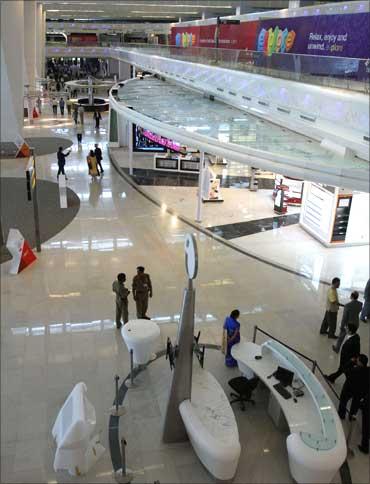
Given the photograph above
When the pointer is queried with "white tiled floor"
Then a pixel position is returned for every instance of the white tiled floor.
(57, 322)
(290, 247)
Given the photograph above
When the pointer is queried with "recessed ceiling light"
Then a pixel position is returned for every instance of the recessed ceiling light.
(173, 13)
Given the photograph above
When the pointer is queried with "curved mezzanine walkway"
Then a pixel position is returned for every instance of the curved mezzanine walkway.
(57, 327)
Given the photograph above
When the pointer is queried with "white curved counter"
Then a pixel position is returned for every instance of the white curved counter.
(140, 336)
(211, 426)
(316, 445)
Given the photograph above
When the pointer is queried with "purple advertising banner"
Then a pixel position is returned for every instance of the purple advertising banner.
(327, 35)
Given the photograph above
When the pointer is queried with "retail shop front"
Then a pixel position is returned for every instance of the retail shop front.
(186, 150)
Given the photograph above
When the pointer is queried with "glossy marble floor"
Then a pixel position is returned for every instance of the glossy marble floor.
(57, 323)
(289, 246)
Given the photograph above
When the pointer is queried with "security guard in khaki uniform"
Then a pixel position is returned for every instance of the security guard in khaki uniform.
(142, 290)
(122, 293)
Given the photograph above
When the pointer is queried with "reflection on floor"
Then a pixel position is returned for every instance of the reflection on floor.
(241, 229)
(289, 246)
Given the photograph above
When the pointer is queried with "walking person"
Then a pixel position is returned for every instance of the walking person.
(350, 349)
(232, 335)
(122, 293)
(99, 157)
(97, 117)
(329, 323)
(75, 116)
(69, 106)
(351, 313)
(355, 387)
(61, 106)
(92, 164)
(54, 104)
(61, 161)
(81, 114)
(142, 290)
(79, 132)
(365, 313)
(39, 104)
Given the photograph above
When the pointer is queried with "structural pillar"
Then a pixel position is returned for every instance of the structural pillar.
(43, 44)
(12, 61)
(30, 44)
(294, 4)
(40, 40)
(130, 148)
(200, 189)
(124, 71)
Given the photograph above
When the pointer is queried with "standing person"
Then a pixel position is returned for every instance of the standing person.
(61, 161)
(39, 104)
(92, 164)
(81, 113)
(54, 104)
(331, 313)
(365, 313)
(61, 106)
(232, 333)
(79, 132)
(57, 85)
(99, 157)
(351, 313)
(350, 349)
(365, 410)
(69, 105)
(97, 117)
(118, 287)
(75, 115)
(355, 387)
(142, 290)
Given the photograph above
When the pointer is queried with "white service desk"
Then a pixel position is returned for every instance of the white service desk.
(316, 444)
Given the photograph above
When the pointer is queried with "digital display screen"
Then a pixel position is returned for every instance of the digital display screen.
(145, 140)
(143, 143)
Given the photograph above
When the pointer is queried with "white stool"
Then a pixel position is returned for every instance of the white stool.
(140, 336)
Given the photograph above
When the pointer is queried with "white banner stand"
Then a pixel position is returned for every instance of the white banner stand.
(76, 450)
(62, 191)
(20, 250)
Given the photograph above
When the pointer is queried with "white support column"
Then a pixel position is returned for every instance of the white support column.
(124, 71)
(130, 148)
(12, 74)
(200, 189)
(30, 42)
(39, 33)
(43, 44)
(133, 71)
(294, 4)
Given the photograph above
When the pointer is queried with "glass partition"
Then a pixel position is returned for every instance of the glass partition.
(325, 408)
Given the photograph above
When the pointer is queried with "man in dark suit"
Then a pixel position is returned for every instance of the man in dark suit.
(355, 387)
(351, 313)
(350, 349)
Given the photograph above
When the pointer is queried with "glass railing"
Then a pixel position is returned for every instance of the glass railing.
(332, 71)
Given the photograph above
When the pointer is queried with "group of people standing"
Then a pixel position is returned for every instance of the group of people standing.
(141, 290)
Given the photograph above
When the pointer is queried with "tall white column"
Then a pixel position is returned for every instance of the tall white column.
(294, 4)
(124, 69)
(198, 217)
(130, 148)
(30, 42)
(12, 80)
(43, 44)
(39, 33)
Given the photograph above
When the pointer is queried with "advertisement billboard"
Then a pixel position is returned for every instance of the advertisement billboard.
(327, 35)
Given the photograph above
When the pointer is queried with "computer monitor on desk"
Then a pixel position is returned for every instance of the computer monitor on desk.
(284, 376)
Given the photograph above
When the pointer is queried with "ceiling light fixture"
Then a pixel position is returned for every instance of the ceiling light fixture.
(171, 6)
(173, 13)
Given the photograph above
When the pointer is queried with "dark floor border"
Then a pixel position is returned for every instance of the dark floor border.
(210, 234)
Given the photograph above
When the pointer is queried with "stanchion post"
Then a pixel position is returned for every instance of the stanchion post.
(255, 333)
(130, 383)
(35, 204)
(123, 475)
(117, 410)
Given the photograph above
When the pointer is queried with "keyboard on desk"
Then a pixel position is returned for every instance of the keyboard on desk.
(283, 391)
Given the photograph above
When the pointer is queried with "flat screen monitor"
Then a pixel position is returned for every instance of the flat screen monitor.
(284, 376)
(143, 143)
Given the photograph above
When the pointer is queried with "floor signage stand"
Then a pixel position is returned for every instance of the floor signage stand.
(20, 250)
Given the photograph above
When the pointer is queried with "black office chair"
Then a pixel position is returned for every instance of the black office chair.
(244, 389)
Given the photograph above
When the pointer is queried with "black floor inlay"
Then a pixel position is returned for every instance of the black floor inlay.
(240, 229)
(149, 177)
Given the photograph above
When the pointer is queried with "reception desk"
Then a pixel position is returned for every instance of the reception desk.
(316, 444)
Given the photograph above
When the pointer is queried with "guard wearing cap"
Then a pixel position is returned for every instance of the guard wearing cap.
(142, 291)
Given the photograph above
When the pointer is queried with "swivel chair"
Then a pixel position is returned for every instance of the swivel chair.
(244, 389)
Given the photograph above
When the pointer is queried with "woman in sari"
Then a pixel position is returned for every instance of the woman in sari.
(232, 333)
(92, 164)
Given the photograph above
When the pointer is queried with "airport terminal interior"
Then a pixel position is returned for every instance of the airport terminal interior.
(185, 288)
